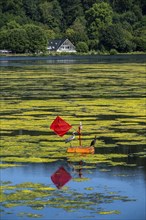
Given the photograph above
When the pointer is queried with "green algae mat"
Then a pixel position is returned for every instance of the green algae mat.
(107, 98)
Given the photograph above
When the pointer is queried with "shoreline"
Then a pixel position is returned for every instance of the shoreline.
(68, 54)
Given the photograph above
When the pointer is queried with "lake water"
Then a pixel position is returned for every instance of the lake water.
(39, 179)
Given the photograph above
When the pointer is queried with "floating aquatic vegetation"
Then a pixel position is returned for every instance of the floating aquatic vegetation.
(30, 215)
(89, 188)
(108, 99)
(104, 170)
(39, 196)
(109, 212)
(80, 179)
(28, 160)
(6, 165)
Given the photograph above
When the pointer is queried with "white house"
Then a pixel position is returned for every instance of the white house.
(61, 45)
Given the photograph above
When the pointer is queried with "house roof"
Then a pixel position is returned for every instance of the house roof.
(55, 44)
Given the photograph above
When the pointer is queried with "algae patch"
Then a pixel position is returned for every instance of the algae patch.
(109, 212)
(7, 165)
(39, 196)
(31, 98)
(30, 215)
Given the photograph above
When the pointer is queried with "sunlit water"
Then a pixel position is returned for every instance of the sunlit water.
(107, 95)
(119, 189)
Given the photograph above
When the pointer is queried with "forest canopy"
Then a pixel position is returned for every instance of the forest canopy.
(91, 25)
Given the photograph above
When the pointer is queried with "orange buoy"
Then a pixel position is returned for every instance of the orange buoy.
(84, 150)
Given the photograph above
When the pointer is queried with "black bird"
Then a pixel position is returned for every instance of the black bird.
(93, 142)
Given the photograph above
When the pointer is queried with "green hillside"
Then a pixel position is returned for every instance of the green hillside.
(91, 25)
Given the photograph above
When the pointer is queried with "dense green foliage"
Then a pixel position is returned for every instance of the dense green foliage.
(101, 24)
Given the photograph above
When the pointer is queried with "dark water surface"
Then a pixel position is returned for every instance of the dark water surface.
(14, 61)
(106, 93)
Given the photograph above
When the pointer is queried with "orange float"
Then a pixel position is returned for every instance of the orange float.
(83, 150)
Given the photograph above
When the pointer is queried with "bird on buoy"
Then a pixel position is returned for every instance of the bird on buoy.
(93, 142)
(70, 138)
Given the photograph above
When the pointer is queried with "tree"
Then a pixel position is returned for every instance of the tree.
(17, 40)
(14, 39)
(11, 6)
(11, 25)
(140, 39)
(98, 17)
(50, 34)
(87, 4)
(36, 37)
(31, 9)
(51, 14)
(129, 16)
(115, 37)
(82, 47)
(94, 44)
(77, 32)
(72, 9)
(11, 10)
(138, 12)
(3, 39)
(122, 5)
(143, 6)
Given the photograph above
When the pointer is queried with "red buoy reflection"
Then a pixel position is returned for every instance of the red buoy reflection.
(60, 177)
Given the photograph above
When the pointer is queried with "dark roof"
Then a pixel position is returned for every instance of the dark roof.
(55, 44)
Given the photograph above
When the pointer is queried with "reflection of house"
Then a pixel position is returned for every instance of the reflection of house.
(62, 45)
